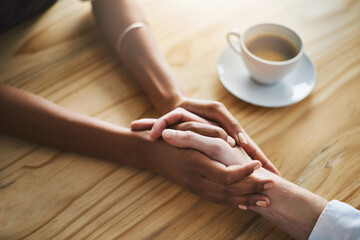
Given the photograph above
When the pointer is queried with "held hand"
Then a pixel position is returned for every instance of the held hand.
(180, 119)
(216, 149)
(218, 113)
(205, 109)
(208, 178)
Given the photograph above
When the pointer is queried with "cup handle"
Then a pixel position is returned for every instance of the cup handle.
(235, 47)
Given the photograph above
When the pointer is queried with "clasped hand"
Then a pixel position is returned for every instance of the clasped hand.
(207, 160)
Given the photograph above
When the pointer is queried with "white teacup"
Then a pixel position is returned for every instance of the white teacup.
(262, 70)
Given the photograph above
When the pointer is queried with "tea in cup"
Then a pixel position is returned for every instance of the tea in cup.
(269, 51)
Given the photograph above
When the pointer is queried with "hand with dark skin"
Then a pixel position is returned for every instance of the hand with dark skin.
(27, 116)
(33, 118)
(181, 119)
(292, 208)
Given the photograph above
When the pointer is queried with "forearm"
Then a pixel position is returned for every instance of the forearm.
(292, 208)
(138, 51)
(33, 118)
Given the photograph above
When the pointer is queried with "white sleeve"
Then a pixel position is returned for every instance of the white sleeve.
(338, 221)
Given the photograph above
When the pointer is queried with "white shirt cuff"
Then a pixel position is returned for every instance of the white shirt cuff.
(337, 221)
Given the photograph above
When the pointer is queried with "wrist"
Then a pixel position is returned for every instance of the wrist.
(294, 209)
(141, 148)
(171, 101)
(130, 148)
(151, 154)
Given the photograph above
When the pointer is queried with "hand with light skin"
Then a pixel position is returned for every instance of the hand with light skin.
(292, 208)
(181, 119)
(141, 55)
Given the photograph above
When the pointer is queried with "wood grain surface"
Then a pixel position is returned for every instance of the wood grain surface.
(59, 55)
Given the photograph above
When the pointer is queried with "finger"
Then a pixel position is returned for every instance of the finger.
(255, 152)
(216, 111)
(249, 186)
(143, 124)
(246, 201)
(206, 130)
(215, 148)
(242, 202)
(219, 173)
(171, 118)
(240, 188)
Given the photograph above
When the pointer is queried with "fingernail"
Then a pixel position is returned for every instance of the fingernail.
(168, 134)
(242, 138)
(231, 141)
(261, 203)
(242, 207)
(257, 166)
(269, 185)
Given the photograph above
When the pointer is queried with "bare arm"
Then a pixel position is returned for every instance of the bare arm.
(138, 51)
(292, 208)
(31, 117)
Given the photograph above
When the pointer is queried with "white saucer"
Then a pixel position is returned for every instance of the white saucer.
(293, 88)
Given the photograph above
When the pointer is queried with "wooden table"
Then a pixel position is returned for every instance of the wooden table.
(59, 55)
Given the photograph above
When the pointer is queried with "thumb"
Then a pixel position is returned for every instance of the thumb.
(176, 138)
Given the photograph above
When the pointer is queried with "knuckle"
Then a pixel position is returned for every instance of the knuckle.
(219, 104)
(189, 135)
(258, 187)
(225, 178)
(218, 132)
(216, 106)
(216, 150)
(222, 132)
(215, 132)
(235, 123)
(247, 171)
(254, 187)
(252, 154)
(185, 125)
(231, 191)
(218, 147)
(224, 145)
(265, 163)
(179, 110)
(191, 125)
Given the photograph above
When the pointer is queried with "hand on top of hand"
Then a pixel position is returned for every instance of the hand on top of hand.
(238, 192)
(196, 116)
(208, 178)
